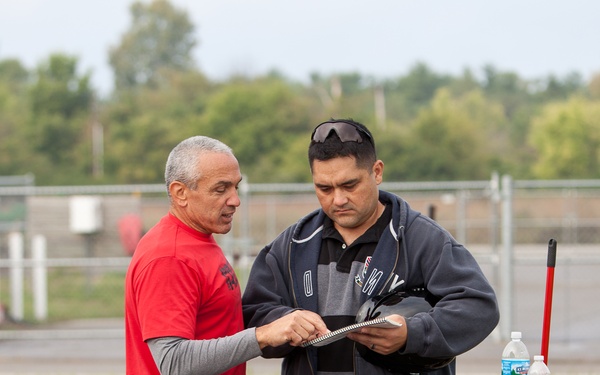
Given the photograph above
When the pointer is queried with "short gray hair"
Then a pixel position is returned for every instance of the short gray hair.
(182, 163)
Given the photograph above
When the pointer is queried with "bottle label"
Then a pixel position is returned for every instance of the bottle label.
(514, 366)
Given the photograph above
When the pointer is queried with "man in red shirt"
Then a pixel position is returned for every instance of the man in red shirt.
(183, 312)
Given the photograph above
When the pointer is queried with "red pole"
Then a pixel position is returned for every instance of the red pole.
(548, 301)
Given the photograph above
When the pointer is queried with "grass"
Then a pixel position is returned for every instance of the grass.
(79, 293)
(75, 293)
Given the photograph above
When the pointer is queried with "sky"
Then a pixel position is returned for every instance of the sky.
(379, 38)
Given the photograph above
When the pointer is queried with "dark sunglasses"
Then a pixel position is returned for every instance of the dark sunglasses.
(346, 131)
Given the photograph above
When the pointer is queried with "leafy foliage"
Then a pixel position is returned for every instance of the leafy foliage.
(260, 120)
(160, 37)
(48, 120)
(567, 138)
(427, 125)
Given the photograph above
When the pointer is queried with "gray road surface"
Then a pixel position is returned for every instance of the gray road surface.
(574, 339)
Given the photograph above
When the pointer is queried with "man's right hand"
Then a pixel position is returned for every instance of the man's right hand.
(294, 329)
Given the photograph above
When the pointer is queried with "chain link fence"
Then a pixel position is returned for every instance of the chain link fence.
(84, 272)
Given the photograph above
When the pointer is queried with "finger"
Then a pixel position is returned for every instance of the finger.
(314, 320)
(302, 333)
(296, 339)
(319, 324)
(306, 328)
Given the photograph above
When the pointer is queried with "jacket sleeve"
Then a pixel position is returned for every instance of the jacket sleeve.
(267, 296)
(467, 309)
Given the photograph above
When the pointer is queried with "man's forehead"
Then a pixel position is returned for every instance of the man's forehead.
(341, 164)
(337, 172)
(220, 168)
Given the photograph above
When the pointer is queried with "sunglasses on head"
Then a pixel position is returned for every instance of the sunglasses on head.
(345, 131)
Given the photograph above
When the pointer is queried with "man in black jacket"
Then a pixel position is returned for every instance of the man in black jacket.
(365, 242)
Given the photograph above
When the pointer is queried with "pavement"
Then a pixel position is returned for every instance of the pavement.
(78, 348)
(97, 346)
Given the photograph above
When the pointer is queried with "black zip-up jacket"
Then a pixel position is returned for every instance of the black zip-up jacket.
(415, 252)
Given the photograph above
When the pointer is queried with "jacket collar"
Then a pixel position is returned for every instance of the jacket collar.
(306, 245)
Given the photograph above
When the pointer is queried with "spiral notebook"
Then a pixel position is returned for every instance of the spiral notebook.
(342, 332)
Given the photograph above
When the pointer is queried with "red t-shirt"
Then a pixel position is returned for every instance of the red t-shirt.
(179, 283)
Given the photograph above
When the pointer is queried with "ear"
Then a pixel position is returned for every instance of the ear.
(178, 193)
(378, 171)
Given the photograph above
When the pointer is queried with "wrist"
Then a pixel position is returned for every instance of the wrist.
(260, 337)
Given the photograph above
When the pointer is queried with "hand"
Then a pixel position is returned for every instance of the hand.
(382, 340)
(294, 328)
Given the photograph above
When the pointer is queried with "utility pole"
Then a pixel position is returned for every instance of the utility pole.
(97, 143)
(380, 113)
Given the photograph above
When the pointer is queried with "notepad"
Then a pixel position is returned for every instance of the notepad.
(342, 332)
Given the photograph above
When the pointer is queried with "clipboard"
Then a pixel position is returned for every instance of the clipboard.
(339, 334)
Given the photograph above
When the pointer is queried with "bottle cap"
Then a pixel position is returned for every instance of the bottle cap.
(515, 335)
(538, 358)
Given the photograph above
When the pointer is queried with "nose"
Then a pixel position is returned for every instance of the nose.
(234, 200)
(339, 198)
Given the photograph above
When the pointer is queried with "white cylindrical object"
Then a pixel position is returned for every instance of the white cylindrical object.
(515, 356)
(85, 214)
(40, 280)
(15, 251)
(505, 300)
(538, 367)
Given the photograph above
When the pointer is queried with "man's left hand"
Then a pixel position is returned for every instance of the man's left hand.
(382, 340)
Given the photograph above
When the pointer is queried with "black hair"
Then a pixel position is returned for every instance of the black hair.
(363, 152)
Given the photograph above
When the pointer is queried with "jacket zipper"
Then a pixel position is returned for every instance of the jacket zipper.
(395, 262)
(289, 264)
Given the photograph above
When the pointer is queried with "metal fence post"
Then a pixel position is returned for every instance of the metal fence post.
(506, 259)
(461, 220)
(494, 223)
(15, 248)
(39, 278)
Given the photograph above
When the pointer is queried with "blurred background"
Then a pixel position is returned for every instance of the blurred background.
(486, 115)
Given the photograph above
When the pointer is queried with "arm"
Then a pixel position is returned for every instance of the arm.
(464, 315)
(176, 355)
(267, 296)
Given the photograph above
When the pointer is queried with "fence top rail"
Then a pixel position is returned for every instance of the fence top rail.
(66, 262)
(252, 188)
(29, 190)
(554, 184)
(82, 190)
(21, 180)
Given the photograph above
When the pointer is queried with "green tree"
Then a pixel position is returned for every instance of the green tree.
(143, 126)
(161, 38)
(13, 73)
(555, 88)
(448, 141)
(464, 84)
(566, 137)
(13, 115)
(517, 97)
(594, 87)
(409, 93)
(60, 104)
(420, 84)
(261, 120)
(342, 93)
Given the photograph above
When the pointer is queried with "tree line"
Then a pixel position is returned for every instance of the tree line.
(428, 125)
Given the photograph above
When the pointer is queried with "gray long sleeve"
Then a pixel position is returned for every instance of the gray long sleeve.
(176, 355)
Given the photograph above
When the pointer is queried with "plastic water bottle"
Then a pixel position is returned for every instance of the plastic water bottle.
(515, 357)
(538, 367)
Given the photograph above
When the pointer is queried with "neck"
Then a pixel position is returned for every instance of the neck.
(351, 234)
